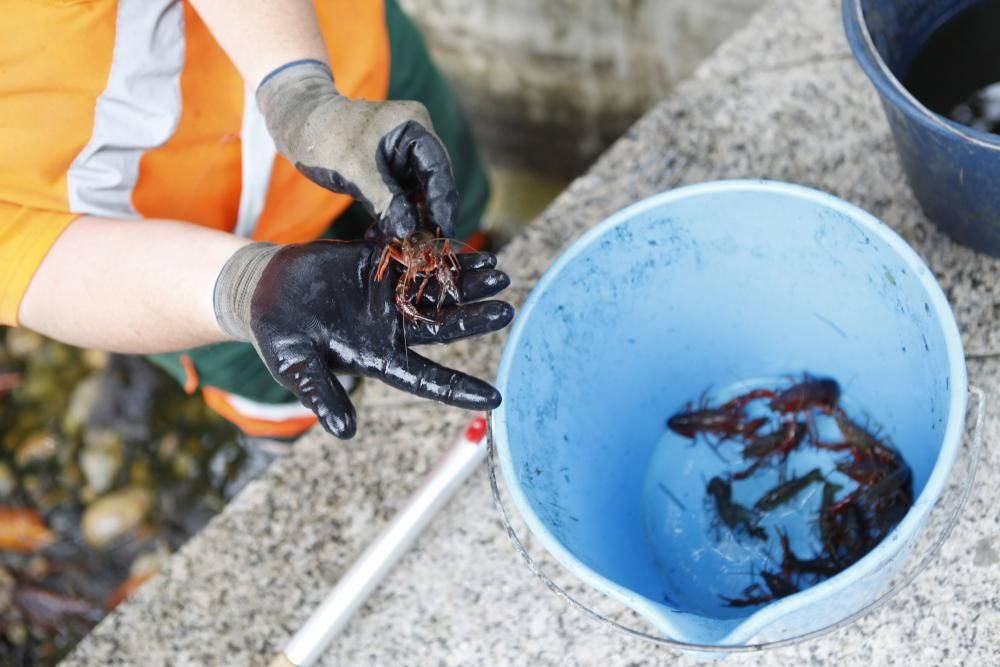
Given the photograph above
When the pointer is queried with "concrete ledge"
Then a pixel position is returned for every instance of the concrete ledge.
(781, 100)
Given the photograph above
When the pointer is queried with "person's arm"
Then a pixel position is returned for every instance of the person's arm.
(146, 286)
(311, 310)
(260, 36)
(137, 286)
(380, 153)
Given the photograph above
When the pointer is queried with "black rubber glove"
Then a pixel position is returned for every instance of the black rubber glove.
(380, 153)
(316, 309)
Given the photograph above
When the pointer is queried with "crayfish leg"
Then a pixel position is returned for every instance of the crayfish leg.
(749, 471)
(423, 286)
(790, 440)
(834, 446)
(448, 252)
(383, 263)
(751, 427)
(446, 285)
(411, 314)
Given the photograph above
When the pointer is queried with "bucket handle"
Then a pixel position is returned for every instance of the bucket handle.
(906, 578)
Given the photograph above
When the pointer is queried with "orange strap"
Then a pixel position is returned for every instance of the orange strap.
(190, 374)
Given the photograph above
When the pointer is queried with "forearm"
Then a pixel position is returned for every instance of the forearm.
(129, 286)
(261, 35)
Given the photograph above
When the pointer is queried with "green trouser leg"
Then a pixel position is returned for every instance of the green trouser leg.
(235, 367)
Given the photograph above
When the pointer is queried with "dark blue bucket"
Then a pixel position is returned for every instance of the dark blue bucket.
(954, 170)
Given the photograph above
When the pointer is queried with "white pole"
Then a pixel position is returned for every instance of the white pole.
(378, 559)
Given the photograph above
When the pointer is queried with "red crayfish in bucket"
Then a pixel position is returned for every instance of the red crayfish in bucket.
(849, 524)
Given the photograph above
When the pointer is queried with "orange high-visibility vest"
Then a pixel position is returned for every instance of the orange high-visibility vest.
(130, 109)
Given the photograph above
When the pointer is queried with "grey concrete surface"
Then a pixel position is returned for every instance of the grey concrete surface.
(549, 85)
(783, 100)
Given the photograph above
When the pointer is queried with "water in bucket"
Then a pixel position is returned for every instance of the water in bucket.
(957, 70)
(728, 559)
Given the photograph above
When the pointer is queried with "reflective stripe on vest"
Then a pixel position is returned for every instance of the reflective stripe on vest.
(275, 412)
(257, 155)
(138, 110)
(258, 419)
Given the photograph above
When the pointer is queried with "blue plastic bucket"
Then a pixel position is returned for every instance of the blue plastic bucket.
(952, 169)
(697, 288)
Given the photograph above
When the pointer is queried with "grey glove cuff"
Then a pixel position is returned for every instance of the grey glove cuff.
(287, 98)
(235, 286)
(371, 151)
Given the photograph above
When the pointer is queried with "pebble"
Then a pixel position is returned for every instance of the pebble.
(22, 342)
(70, 476)
(17, 633)
(139, 473)
(115, 514)
(38, 568)
(101, 458)
(146, 564)
(96, 359)
(7, 481)
(6, 590)
(168, 446)
(37, 447)
(86, 495)
(184, 465)
(32, 485)
(52, 499)
(82, 402)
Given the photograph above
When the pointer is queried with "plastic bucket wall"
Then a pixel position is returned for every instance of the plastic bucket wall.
(700, 287)
(951, 168)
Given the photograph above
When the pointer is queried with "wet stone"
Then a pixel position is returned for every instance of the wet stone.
(101, 458)
(138, 472)
(168, 446)
(7, 481)
(82, 402)
(32, 485)
(82, 432)
(52, 499)
(6, 590)
(36, 447)
(95, 359)
(22, 342)
(17, 633)
(147, 564)
(38, 568)
(115, 514)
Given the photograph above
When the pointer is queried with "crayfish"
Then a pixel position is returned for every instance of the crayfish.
(780, 422)
(733, 515)
(784, 492)
(724, 422)
(778, 585)
(424, 256)
(780, 442)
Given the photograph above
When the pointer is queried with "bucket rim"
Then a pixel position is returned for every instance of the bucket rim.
(897, 541)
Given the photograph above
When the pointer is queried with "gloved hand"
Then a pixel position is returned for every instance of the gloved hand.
(376, 152)
(316, 309)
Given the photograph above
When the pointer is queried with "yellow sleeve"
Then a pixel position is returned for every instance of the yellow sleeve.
(26, 235)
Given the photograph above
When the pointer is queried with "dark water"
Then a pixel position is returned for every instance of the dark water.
(703, 563)
(68, 420)
(957, 72)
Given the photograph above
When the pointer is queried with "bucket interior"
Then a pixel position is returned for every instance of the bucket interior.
(680, 297)
(899, 29)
